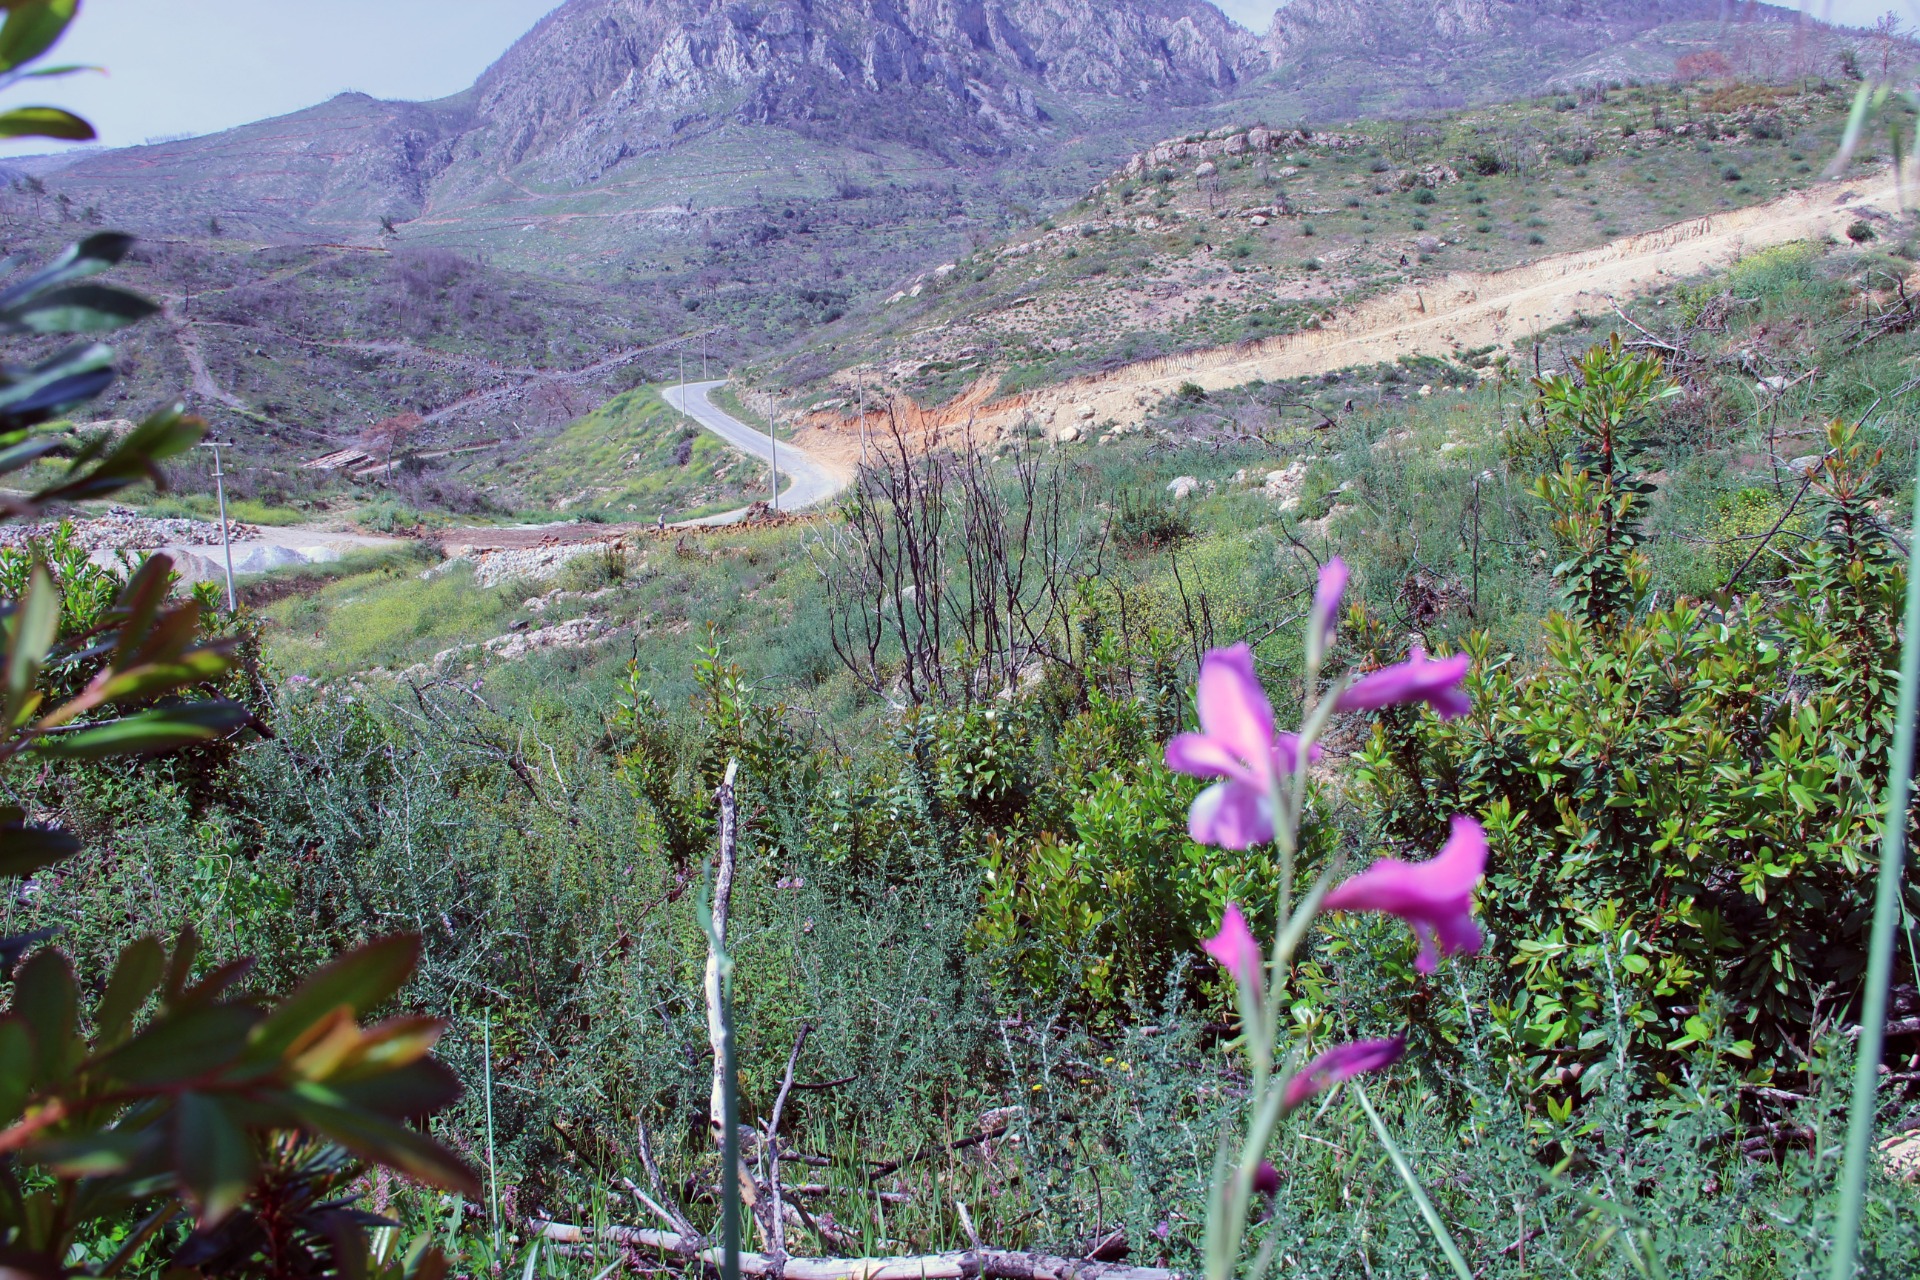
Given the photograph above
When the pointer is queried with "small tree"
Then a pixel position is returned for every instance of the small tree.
(1600, 410)
(386, 436)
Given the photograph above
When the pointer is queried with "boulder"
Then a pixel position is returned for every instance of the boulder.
(1182, 487)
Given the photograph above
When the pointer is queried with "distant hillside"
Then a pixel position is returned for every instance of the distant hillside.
(1351, 59)
(618, 135)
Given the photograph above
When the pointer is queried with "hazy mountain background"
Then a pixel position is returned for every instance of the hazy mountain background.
(643, 169)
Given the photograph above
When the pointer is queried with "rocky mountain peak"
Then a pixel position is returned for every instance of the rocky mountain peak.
(598, 81)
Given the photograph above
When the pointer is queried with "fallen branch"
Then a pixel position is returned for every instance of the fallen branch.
(933, 1149)
(1904, 1027)
(968, 1264)
(776, 1216)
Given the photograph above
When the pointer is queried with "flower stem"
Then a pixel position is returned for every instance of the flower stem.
(1400, 1166)
(1886, 912)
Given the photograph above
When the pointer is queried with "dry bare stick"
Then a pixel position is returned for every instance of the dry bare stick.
(776, 1217)
(933, 1149)
(717, 1104)
(966, 1222)
(660, 1203)
(969, 1264)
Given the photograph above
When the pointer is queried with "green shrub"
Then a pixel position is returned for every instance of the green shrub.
(1690, 797)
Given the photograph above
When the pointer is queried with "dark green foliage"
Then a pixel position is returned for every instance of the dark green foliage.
(1694, 793)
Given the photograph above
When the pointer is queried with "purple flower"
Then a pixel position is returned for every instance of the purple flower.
(1435, 896)
(1326, 602)
(1340, 1064)
(1434, 681)
(1238, 952)
(1236, 742)
(1266, 1179)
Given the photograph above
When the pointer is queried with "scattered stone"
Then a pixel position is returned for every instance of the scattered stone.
(576, 634)
(1206, 169)
(1183, 486)
(122, 530)
(1901, 1155)
(1283, 487)
(493, 567)
(1067, 434)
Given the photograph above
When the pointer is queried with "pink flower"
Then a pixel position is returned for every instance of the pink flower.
(1238, 952)
(1237, 742)
(1326, 601)
(1435, 896)
(1266, 1179)
(1434, 681)
(1340, 1064)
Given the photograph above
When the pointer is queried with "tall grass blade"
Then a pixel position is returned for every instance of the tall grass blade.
(1886, 916)
(1441, 1235)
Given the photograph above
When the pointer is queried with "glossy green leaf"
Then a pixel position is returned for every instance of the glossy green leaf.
(25, 849)
(197, 667)
(33, 28)
(140, 603)
(360, 980)
(164, 729)
(45, 122)
(16, 1068)
(213, 1155)
(134, 458)
(177, 1047)
(26, 454)
(375, 1138)
(94, 1155)
(417, 1089)
(90, 257)
(136, 976)
(180, 964)
(47, 999)
(35, 625)
(77, 308)
(64, 380)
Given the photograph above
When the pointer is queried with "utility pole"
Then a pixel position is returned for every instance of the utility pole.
(226, 536)
(703, 356)
(773, 441)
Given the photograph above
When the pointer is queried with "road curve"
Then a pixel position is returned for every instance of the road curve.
(811, 482)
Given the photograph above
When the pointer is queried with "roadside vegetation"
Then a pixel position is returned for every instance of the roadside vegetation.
(977, 890)
(932, 879)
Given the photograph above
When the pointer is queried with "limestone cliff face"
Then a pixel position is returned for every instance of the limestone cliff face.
(599, 81)
(1402, 25)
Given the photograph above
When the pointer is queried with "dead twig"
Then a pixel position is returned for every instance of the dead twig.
(968, 1264)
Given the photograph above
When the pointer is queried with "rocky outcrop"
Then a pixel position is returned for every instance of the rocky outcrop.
(1233, 140)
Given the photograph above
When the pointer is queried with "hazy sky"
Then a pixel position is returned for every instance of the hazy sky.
(194, 66)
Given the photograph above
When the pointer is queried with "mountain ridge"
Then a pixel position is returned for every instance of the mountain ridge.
(600, 91)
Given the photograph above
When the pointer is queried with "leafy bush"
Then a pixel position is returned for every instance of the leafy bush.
(1689, 797)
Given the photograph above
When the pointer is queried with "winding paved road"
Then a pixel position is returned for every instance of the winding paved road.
(811, 481)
